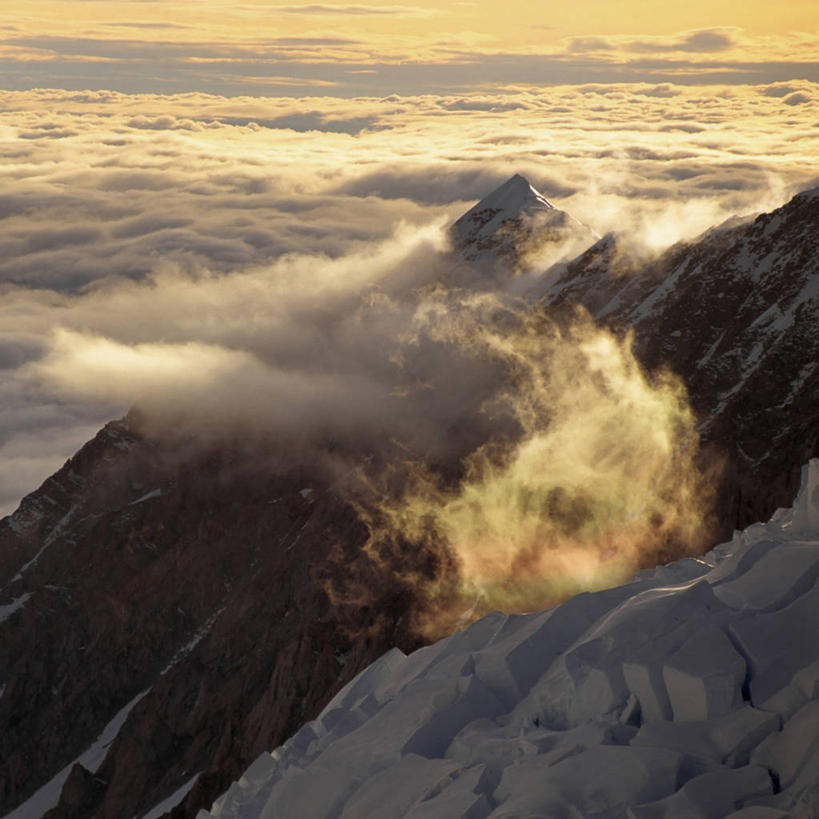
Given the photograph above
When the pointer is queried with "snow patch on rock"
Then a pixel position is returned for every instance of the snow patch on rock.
(9, 609)
(47, 797)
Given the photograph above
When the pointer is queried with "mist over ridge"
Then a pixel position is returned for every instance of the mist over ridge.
(347, 434)
(107, 193)
(528, 451)
(322, 309)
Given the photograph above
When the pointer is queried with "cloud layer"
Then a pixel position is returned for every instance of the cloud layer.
(377, 49)
(146, 239)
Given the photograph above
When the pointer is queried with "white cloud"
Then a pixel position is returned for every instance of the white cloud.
(174, 229)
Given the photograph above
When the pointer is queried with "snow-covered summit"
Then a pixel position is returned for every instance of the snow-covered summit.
(511, 200)
(514, 223)
(692, 691)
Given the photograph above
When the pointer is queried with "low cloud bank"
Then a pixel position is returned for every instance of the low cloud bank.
(152, 231)
(534, 458)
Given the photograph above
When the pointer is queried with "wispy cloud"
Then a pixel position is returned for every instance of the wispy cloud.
(354, 9)
(146, 25)
(316, 41)
(355, 66)
(582, 45)
(703, 41)
(173, 69)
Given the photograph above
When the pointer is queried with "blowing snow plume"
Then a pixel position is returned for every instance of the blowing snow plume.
(587, 474)
(519, 457)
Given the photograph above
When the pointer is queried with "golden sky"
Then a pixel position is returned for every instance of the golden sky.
(348, 48)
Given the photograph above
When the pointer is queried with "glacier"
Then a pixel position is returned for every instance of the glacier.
(692, 691)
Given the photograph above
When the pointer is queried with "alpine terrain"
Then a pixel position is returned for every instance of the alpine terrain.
(168, 605)
(692, 691)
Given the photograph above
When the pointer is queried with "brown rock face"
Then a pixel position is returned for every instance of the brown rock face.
(198, 579)
(80, 795)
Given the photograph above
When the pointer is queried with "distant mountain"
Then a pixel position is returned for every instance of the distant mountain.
(516, 224)
(167, 609)
(692, 691)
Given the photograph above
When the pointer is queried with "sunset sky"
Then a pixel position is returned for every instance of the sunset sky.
(188, 189)
(343, 48)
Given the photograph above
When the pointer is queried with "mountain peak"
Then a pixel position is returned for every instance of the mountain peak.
(522, 187)
(511, 200)
(514, 221)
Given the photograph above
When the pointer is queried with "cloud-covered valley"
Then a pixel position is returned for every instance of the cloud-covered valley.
(266, 253)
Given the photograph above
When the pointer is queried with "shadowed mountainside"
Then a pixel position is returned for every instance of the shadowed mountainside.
(199, 576)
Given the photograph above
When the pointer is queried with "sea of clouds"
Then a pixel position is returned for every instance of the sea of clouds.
(255, 252)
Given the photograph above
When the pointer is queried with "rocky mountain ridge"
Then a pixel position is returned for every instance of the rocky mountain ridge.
(182, 595)
(135, 571)
(736, 314)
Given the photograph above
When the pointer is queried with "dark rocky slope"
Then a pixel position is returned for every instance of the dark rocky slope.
(736, 314)
(200, 578)
(201, 575)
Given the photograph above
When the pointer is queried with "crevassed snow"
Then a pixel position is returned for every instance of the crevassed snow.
(692, 691)
(15, 605)
(173, 800)
(47, 797)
